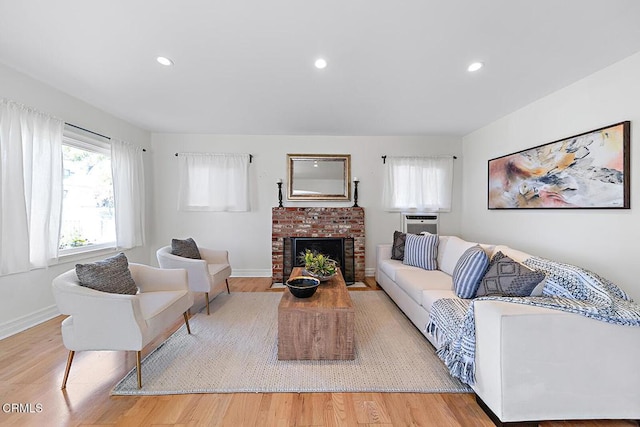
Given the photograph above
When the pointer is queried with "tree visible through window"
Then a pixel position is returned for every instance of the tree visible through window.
(88, 220)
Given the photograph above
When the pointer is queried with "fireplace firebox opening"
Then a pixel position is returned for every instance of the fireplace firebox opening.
(340, 249)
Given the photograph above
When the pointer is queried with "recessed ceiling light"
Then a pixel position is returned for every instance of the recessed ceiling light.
(475, 67)
(320, 63)
(164, 61)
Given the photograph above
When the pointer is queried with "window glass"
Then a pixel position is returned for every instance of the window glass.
(88, 220)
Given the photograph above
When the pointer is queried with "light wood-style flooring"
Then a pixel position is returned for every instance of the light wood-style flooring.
(32, 365)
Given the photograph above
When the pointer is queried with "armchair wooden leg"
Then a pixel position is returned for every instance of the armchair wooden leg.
(67, 369)
(206, 295)
(227, 280)
(139, 369)
(186, 322)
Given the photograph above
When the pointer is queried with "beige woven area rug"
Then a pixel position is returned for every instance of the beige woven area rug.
(235, 350)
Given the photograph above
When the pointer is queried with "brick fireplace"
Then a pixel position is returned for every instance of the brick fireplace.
(316, 222)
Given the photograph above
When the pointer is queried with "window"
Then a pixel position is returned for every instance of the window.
(418, 184)
(214, 182)
(88, 219)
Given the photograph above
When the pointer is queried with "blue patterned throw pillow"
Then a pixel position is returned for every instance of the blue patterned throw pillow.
(508, 278)
(570, 281)
(421, 251)
(469, 270)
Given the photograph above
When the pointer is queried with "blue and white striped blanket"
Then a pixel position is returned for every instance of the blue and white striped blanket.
(567, 288)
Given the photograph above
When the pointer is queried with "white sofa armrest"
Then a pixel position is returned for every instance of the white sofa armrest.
(198, 274)
(214, 256)
(536, 363)
(383, 252)
(98, 318)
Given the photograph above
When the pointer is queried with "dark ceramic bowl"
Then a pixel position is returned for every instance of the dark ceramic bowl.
(302, 286)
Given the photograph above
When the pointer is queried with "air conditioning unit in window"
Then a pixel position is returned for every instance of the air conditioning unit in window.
(415, 223)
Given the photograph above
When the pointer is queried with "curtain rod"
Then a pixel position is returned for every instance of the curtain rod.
(384, 159)
(95, 133)
(250, 157)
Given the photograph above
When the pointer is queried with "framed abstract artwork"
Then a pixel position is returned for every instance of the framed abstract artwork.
(585, 171)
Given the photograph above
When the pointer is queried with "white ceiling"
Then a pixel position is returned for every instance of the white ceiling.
(246, 66)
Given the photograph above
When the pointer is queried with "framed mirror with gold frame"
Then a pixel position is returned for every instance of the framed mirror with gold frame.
(319, 177)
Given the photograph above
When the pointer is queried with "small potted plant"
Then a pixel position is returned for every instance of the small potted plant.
(318, 265)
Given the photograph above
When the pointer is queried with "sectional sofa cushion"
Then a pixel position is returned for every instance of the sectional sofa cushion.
(442, 248)
(413, 281)
(432, 295)
(397, 250)
(452, 252)
(391, 266)
(514, 254)
(421, 251)
(469, 270)
(111, 275)
(506, 277)
(185, 248)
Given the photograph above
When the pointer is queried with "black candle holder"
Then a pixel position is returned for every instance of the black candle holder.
(279, 194)
(355, 194)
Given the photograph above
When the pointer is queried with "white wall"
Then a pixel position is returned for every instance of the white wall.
(26, 298)
(604, 241)
(247, 236)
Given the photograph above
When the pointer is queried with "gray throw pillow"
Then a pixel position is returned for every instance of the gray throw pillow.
(397, 250)
(110, 275)
(185, 248)
(506, 277)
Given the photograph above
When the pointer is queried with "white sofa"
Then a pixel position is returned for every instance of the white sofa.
(532, 363)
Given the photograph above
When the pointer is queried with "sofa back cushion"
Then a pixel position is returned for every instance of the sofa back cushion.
(442, 244)
(450, 253)
(421, 251)
(514, 254)
(469, 271)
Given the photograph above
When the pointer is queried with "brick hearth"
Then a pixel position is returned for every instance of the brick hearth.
(316, 222)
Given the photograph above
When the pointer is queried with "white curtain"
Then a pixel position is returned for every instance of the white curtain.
(418, 183)
(214, 182)
(30, 187)
(127, 168)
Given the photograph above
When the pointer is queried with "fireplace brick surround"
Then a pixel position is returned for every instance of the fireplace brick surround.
(316, 222)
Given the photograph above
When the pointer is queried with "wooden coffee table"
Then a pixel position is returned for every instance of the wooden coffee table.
(317, 328)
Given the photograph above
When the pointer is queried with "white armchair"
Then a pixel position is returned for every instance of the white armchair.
(205, 275)
(105, 321)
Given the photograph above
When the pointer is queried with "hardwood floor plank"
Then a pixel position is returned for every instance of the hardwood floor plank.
(243, 410)
(371, 409)
(32, 364)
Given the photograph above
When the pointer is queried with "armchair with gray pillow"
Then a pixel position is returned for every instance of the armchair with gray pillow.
(208, 269)
(114, 305)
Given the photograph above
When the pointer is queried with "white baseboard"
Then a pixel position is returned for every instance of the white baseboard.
(30, 320)
(251, 273)
(369, 272)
